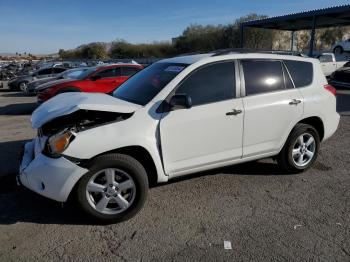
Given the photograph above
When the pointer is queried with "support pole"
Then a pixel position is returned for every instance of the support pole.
(292, 41)
(312, 37)
(242, 36)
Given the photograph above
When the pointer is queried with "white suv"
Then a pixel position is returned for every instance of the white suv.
(178, 116)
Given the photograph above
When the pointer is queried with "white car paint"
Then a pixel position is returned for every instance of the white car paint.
(183, 141)
(330, 62)
(345, 45)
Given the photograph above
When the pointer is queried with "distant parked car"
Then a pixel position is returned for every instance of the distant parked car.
(331, 62)
(102, 79)
(340, 47)
(341, 77)
(21, 82)
(68, 74)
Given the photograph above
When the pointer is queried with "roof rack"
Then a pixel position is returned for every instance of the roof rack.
(245, 50)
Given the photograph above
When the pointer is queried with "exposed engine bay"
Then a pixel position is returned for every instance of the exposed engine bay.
(81, 120)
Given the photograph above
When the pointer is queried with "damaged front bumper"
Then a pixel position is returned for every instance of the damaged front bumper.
(53, 178)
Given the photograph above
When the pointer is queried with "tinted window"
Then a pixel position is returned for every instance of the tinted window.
(325, 58)
(145, 85)
(212, 83)
(262, 76)
(58, 70)
(117, 71)
(301, 72)
(129, 71)
(106, 73)
(46, 71)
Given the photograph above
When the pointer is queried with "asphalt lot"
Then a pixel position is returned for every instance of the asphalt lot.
(267, 215)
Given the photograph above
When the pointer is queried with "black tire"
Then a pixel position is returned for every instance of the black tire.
(338, 50)
(285, 158)
(25, 85)
(68, 89)
(126, 164)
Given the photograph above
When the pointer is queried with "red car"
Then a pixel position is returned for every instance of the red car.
(101, 79)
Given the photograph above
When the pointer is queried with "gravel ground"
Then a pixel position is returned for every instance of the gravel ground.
(266, 215)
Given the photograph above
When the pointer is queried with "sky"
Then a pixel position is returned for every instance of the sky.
(44, 26)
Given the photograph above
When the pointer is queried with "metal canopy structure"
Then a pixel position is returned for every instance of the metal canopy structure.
(310, 20)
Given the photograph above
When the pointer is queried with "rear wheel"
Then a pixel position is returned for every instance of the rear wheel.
(114, 189)
(338, 50)
(300, 150)
(23, 86)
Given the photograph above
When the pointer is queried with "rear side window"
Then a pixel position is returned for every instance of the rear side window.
(325, 58)
(262, 76)
(58, 70)
(211, 83)
(129, 71)
(46, 71)
(110, 72)
(301, 72)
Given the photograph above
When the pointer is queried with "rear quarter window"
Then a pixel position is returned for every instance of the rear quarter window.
(301, 72)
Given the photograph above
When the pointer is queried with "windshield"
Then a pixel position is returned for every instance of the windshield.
(146, 84)
(76, 73)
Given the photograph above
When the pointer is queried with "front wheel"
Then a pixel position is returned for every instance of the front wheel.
(300, 150)
(114, 189)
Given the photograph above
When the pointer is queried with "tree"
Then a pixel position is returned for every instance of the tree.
(94, 51)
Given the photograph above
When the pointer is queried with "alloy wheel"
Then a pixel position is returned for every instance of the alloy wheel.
(110, 191)
(304, 150)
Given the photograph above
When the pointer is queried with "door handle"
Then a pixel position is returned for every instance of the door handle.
(295, 102)
(234, 112)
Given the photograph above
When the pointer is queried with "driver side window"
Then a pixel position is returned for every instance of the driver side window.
(106, 73)
(211, 83)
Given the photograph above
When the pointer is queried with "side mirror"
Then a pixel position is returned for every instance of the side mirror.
(180, 101)
(95, 77)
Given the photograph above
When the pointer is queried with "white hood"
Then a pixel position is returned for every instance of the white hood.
(68, 103)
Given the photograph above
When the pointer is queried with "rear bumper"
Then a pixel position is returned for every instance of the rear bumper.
(53, 178)
(331, 125)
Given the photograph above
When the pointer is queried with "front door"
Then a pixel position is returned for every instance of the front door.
(210, 132)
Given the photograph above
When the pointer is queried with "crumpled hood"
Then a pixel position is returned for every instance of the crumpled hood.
(67, 103)
(52, 83)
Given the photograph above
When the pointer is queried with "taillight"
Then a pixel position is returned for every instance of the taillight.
(331, 89)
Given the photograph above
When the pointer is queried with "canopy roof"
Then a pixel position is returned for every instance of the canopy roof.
(327, 17)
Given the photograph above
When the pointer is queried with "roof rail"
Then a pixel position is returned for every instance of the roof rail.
(245, 50)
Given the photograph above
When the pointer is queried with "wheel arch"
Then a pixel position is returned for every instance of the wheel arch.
(142, 155)
(139, 153)
(338, 46)
(315, 122)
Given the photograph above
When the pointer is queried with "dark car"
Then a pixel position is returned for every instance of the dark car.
(21, 82)
(68, 74)
(341, 77)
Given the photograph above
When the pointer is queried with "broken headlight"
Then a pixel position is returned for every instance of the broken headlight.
(57, 143)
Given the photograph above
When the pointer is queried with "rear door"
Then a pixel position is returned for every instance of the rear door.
(272, 105)
(208, 133)
(107, 82)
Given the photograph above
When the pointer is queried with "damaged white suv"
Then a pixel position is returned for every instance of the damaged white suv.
(176, 117)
